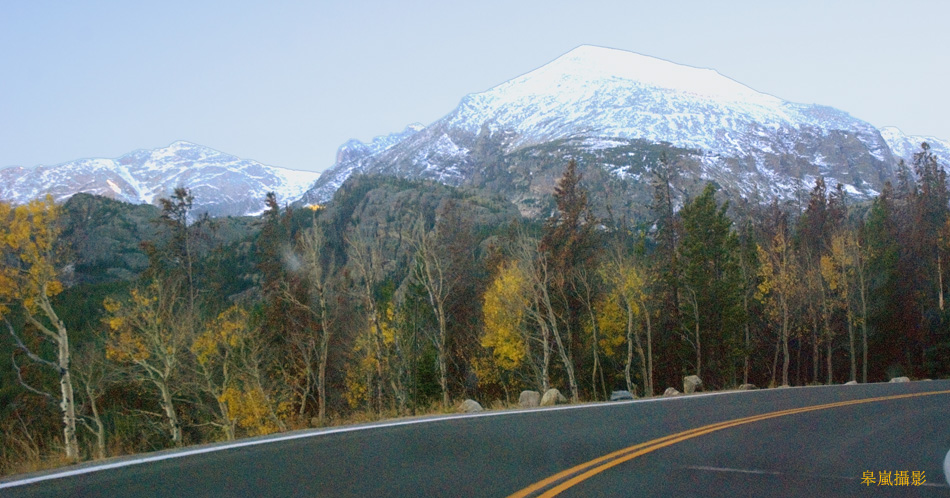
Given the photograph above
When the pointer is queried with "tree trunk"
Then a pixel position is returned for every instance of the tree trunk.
(593, 377)
(228, 424)
(100, 427)
(830, 340)
(542, 288)
(854, 359)
(378, 352)
(778, 346)
(546, 354)
(67, 401)
(814, 353)
(864, 327)
(562, 351)
(699, 356)
(442, 356)
(629, 363)
(168, 404)
(785, 334)
(748, 341)
(322, 376)
(648, 382)
(939, 280)
(443, 371)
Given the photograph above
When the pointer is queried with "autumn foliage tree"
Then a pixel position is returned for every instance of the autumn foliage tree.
(623, 308)
(28, 281)
(779, 289)
(149, 333)
(506, 333)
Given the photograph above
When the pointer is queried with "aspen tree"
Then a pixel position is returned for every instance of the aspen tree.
(28, 281)
(148, 333)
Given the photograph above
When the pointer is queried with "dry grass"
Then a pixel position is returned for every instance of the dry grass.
(21, 456)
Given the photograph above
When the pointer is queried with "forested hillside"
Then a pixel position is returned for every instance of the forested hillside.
(133, 328)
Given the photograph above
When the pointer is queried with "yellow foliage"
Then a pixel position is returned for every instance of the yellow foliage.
(127, 346)
(228, 331)
(356, 388)
(612, 322)
(28, 235)
(249, 410)
(838, 266)
(136, 328)
(625, 287)
(486, 370)
(504, 307)
(111, 305)
(387, 325)
(356, 383)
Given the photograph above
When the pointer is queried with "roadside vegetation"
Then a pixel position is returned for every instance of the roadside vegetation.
(126, 330)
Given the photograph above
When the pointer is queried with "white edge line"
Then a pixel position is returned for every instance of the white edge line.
(322, 432)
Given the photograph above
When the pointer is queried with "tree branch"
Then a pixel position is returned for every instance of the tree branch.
(30, 354)
(49, 397)
(42, 328)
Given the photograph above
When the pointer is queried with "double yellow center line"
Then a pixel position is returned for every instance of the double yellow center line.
(584, 471)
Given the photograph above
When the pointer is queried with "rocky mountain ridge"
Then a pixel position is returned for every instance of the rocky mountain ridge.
(221, 184)
(614, 111)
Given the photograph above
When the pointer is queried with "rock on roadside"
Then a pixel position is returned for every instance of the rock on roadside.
(470, 406)
(529, 399)
(691, 384)
(553, 397)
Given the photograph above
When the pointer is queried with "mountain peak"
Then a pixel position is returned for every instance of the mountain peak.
(182, 144)
(598, 64)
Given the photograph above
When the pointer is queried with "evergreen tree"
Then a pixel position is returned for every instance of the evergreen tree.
(709, 253)
(665, 260)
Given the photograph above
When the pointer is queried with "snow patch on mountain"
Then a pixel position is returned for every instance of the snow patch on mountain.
(221, 184)
(905, 146)
(599, 102)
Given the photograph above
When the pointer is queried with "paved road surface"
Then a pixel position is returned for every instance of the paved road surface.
(815, 453)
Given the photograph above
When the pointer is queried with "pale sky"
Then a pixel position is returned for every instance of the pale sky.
(287, 83)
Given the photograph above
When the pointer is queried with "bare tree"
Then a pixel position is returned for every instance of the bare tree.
(94, 375)
(432, 271)
(317, 267)
(544, 313)
(364, 249)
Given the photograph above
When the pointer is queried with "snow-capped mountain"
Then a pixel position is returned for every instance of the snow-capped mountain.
(616, 110)
(905, 146)
(221, 184)
(356, 157)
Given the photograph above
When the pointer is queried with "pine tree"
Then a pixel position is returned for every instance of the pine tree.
(712, 281)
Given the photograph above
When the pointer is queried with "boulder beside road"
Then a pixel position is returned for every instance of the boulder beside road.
(691, 384)
(529, 399)
(553, 397)
(470, 406)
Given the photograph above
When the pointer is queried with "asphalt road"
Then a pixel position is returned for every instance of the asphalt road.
(817, 453)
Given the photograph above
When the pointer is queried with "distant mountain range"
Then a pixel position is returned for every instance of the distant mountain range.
(616, 112)
(222, 184)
